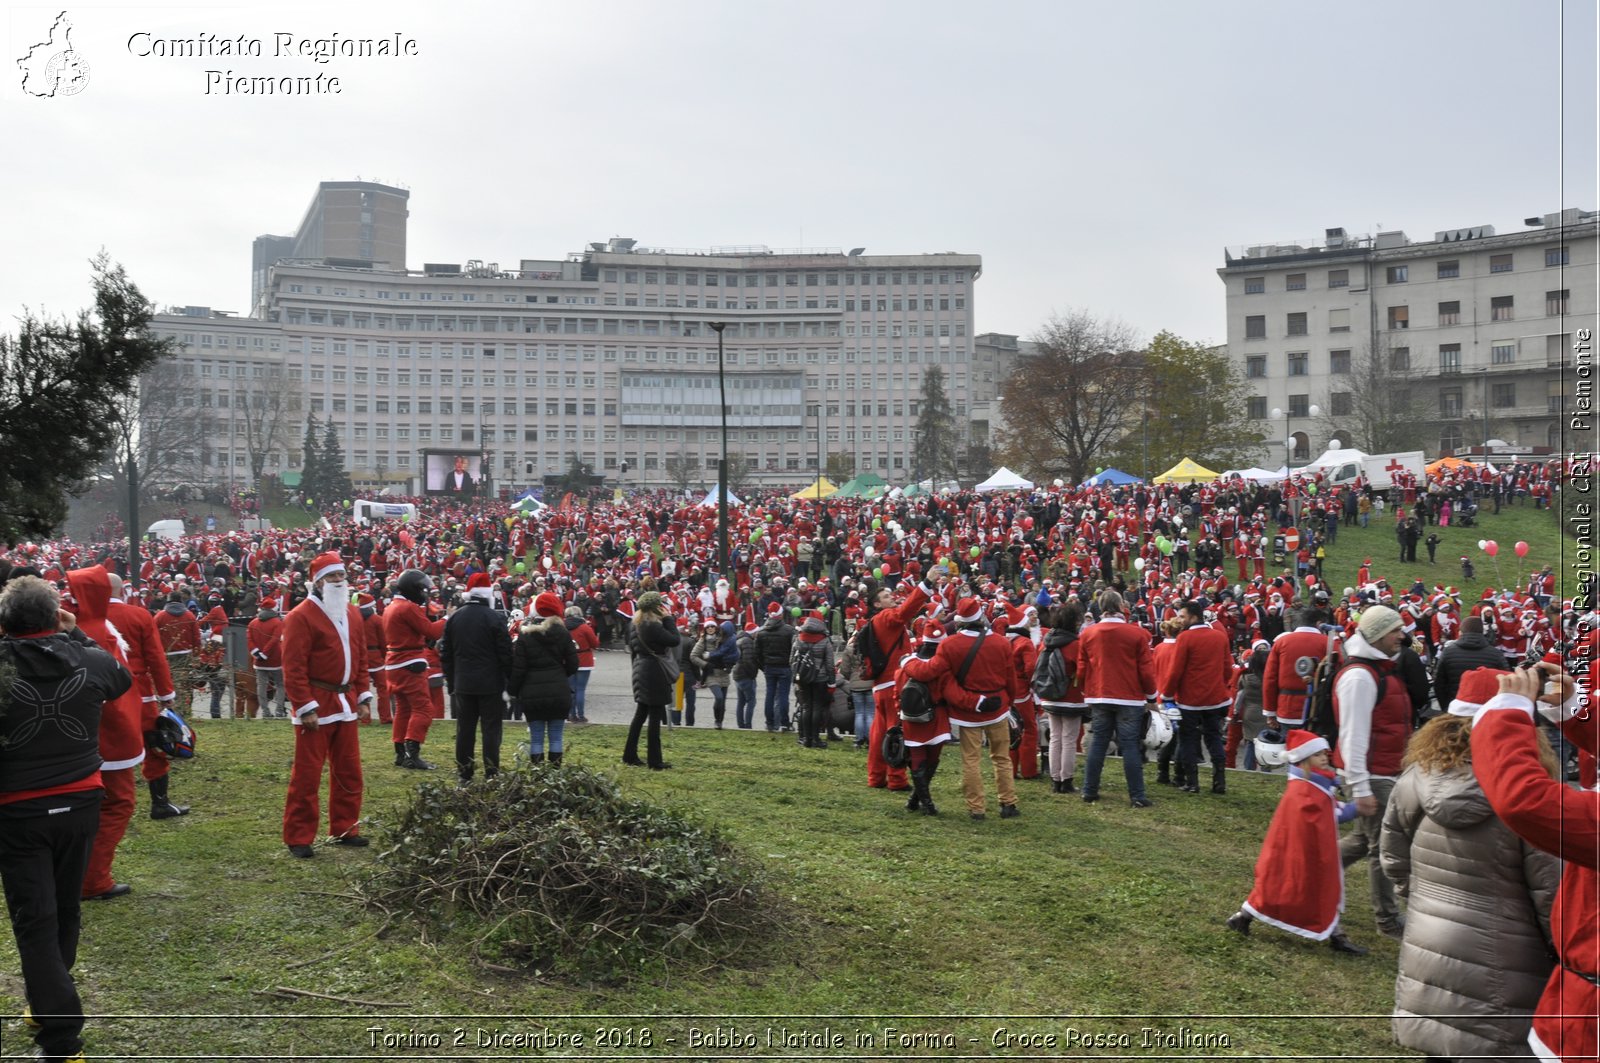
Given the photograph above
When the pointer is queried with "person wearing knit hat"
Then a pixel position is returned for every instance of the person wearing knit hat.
(543, 662)
(774, 644)
(1440, 840)
(325, 680)
(653, 642)
(1299, 883)
(1558, 819)
(811, 663)
(1374, 710)
(475, 654)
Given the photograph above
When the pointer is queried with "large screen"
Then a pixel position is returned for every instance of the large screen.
(452, 472)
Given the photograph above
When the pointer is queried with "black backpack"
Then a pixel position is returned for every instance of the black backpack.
(875, 656)
(916, 702)
(808, 664)
(1050, 680)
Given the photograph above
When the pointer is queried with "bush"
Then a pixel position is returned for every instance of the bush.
(555, 868)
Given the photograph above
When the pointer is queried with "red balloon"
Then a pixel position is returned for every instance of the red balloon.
(1521, 548)
(1027, 524)
(1491, 548)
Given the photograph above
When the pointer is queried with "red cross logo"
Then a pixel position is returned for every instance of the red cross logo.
(1394, 466)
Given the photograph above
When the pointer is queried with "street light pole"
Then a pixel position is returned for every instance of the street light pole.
(723, 567)
(1288, 435)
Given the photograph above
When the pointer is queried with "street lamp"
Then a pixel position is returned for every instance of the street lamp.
(1288, 436)
(484, 459)
(722, 465)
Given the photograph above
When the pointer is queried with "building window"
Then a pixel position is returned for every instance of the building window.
(1255, 327)
(1503, 396)
(1255, 285)
(1450, 402)
(1256, 407)
(1294, 282)
(1255, 365)
(1450, 438)
(1299, 405)
(1299, 363)
(1502, 308)
(1338, 278)
(1296, 324)
(1450, 313)
(1502, 354)
(1399, 317)
(1555, 303)
(1450, 358)
(1397, 274)
(1449, 269)
(1339, 362)
(1400, 359)
(1339, 320)
(1555, 256)
(1499, 263)
(1343, 403)
(1555, 349)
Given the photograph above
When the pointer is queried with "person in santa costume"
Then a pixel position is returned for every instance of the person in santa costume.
(148, 664)
(264, 638)
(325, 677)
(1299, 883)
(1558, 819)
(408, 632)
(925, 739)
(888, 644)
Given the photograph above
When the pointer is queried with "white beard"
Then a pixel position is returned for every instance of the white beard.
(335, 598)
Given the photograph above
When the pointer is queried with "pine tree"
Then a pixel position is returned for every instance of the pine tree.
(936, 431)
(335, 479)
(311, 463)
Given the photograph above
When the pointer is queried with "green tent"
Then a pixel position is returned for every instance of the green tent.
(867, 485)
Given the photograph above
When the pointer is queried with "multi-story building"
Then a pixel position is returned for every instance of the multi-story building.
(356, 223)
(994, 356)
(1478, 327)
(605, 354)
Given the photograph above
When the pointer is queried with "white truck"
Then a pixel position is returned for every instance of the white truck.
(1345, 466)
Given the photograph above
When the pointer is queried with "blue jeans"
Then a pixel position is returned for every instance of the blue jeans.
(744, 710)
(579, 682)
(1127, 720)
(537, 729)
(861, 700)
(719, 703)
(777, 698)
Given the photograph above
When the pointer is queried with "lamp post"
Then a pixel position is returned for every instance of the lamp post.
(484, 466)
(1288, 435)
(818, 484)
(722, 464)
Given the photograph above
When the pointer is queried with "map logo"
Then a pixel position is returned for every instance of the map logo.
(52, 67)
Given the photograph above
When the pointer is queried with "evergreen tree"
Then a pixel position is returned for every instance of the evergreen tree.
(311, 463)
(330, 464)
(936, 439)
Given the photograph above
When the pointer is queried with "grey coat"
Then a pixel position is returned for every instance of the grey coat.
(1476, 951)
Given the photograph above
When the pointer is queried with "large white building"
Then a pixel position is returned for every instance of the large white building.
(606, 354)
(1479, 326)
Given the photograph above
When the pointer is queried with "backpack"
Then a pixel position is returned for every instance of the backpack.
(875, 656)
(1050, 680)
(916, 702)
(808, 664)
(1321, 719)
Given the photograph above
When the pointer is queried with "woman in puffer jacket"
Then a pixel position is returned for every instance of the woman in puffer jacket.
(1476, 952)
(543, 659)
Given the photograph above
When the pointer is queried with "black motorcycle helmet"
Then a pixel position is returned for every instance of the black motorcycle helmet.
(413, 585)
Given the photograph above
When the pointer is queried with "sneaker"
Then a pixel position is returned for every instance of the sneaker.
(1396, 930)
(354, 841)
(121, 889)
(1009, 811)
(976, 815)
(302, 852)
(1240, 921)
(1142, 802)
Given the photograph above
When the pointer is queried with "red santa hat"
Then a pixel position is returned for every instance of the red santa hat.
(479, 580)
(326, 565)
(773, 607)
(969, 611)
(1477, 687)
(1304, 744)
(548, 604)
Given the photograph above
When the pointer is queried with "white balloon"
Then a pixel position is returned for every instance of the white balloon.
(548, 564)
(1482, 543)
(1138, 563)
(1059, 482)
(1334, 444)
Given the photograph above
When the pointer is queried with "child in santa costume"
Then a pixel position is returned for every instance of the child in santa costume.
(1299, 880)
(1559, 819)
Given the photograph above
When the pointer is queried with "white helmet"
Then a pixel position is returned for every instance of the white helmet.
(1159, 733)
(1272, 749)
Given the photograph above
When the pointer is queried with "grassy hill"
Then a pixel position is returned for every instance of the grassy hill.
(1102, 920)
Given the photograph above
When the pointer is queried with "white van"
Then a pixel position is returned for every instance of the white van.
(165, 529)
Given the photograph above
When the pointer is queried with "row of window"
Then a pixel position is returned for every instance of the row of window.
(1501, 308)
(1445, 269)
(713, 279)
(1501, 352)
(1502, 396)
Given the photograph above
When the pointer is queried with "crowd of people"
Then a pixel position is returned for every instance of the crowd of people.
(1184, 623)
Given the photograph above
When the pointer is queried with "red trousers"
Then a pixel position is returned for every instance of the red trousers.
(338, 746)
(413, 705)
(436, 699)
(1235, 735)
(155, 764)
(1025, 757)
(885, 715)
(116, 809)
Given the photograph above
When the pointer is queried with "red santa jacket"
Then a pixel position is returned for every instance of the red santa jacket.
(1024, 655)
(991, 673)
(1566, 822)
(1290, 665)
(889, 631)
(407, 631)
(146, 659)
(377, 648)
(324, 668)
(264, 637)
(1200, 671)
(1115, 663)
(121, 724)
(180, 631)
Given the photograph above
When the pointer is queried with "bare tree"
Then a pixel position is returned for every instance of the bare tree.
(1384, 409)
(164, 426)
(738, 473)
(268, 409)
(1073, 397)
(680, 469)
(841, 466)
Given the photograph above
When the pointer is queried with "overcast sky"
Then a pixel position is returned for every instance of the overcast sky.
(1096, 155)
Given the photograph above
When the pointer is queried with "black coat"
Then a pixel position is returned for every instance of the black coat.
(476, 650)
(773, 643)
(649, 641)
(1459, 658)
(541, 662)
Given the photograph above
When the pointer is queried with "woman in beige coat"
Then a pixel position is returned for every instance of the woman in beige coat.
(1476, 952)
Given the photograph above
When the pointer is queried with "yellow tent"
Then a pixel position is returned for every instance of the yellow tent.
(821, 489)
(1186, 472)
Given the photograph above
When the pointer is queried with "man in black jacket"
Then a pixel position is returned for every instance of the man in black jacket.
(773, 643)
(476, 654)
(53, 682)
(1472, 650)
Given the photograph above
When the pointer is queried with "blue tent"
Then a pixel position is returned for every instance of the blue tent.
(1112, 477)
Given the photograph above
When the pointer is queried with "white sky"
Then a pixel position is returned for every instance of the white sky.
(1096, 155)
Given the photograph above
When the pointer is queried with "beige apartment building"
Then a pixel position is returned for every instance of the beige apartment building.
(1479, 326)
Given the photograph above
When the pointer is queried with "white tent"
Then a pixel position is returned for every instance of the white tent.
(711, 498)
(1004, 480)
(1334, 458)
(1260, 476)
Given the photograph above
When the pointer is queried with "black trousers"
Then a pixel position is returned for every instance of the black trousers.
(473, 711)
(1196, 726)
(43, 858)
(655, 715)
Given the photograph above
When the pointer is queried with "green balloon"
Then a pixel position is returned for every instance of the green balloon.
(1099, 469)
(521, 567)
(876, 523)
(1165, 546)
(755, 536)
(794, 610)
(877, 573)
(976, 551)
(632, 542)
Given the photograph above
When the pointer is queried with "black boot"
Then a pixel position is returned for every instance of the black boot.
(914, 802)
(1189, 778)
(923, 786)
(160, 806)
(535, 758)
(464, 772)
(414, 759)
(1241, 921)
(399, 754)
(555, 759)
(1162, 777)
(1339, 943)
(1067, 787)
(1219, 780)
